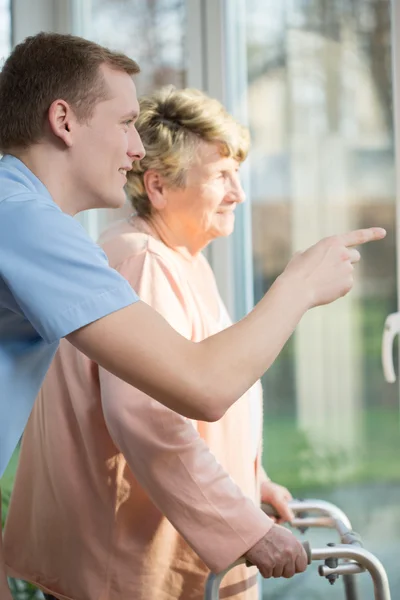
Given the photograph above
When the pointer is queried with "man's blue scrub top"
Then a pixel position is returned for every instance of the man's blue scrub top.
(53, 280)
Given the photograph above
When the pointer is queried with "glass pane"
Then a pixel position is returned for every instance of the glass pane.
(322, 162)
(153, 34)
(5, 29)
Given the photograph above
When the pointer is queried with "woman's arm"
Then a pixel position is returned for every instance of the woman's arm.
(181, 476)
(164, 450)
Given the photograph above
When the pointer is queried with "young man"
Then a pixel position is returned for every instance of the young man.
(68, 109)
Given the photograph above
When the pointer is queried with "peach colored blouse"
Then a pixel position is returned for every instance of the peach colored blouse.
(117, 497)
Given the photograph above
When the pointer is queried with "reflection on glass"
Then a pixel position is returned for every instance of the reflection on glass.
(152, 32)
(5, 29)
(322, 162)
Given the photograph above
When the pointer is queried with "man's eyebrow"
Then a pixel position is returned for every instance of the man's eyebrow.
(133, 114)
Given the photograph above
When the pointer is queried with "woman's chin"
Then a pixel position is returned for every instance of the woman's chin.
(226, 225)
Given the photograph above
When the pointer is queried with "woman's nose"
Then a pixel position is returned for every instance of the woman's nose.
(236, 192)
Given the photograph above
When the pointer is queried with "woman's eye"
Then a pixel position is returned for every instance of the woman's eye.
(129, 122)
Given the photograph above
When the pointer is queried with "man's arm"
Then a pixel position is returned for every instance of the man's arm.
(202, 380)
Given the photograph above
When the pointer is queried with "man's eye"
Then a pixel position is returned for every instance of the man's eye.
(128, 122)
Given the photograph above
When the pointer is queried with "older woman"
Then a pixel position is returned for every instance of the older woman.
(145, 508)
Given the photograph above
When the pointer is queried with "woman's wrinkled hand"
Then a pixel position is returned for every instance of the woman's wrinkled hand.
(279, 497)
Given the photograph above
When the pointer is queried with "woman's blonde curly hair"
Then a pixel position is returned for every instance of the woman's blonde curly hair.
(171, 124)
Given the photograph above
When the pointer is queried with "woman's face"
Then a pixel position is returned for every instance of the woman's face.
(205, 208)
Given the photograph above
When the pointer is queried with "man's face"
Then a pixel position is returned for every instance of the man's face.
(105, 147)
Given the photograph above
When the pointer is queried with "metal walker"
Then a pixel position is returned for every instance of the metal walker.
(355, 559)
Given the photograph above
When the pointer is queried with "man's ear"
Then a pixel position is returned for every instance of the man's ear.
(61, 120)
(155, 189)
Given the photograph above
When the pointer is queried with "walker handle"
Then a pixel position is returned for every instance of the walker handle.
(307, 548)
(270, 510)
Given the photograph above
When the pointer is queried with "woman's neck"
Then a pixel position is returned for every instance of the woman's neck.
(172, 236)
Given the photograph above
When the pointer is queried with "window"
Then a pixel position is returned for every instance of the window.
(5, 29)
(153, 34)
(322, 162)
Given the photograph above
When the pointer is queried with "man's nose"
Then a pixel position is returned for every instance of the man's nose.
(136, 149)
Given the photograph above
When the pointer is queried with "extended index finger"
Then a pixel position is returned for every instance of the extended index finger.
(362, 236)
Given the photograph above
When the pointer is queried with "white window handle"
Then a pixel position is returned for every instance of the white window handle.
(391, 329)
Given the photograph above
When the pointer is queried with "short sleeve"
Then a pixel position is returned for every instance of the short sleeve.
(58, 278)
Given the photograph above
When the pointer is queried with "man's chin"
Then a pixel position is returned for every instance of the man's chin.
(117, 201)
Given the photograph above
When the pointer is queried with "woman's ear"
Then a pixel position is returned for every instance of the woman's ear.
(155, 189)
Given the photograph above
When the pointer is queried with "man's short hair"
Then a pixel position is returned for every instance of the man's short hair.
(171, 124)
(46, 67)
